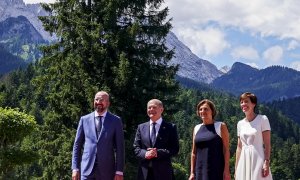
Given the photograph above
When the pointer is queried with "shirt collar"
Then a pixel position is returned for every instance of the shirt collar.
(103, 114)
(159, 121)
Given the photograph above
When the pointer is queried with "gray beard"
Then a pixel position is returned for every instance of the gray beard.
(99, 109)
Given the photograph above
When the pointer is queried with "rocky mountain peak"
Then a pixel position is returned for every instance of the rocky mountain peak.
(190, 65)
(15, 8)
(241, 68)
(11, 2)
(19, 28)
(225, 69)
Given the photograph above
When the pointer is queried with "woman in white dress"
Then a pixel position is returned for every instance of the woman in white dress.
(254, 143)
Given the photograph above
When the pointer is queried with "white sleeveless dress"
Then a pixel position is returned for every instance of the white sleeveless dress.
(252, 154)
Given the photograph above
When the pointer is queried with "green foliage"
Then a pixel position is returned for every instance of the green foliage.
(14, 127)
(118, 47)
(180, 172)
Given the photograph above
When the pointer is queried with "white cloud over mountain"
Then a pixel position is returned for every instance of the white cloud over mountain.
(293, 45)
(295, 65)
(269, 23)
(245, 52)
(206, 42)
(273, 54)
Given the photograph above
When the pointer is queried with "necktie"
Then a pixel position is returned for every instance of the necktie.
(99, 125)
(153, 134)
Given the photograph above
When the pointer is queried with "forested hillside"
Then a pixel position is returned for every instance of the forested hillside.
(9, 62)
(271, 83)
(21, 39)
(289, 107)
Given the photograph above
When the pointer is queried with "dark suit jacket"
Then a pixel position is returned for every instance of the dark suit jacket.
(167, 146)
(108, 147)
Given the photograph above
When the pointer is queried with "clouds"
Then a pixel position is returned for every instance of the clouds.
(245, 52)
(266, 17)
(293, 45)
(295, 65)
(207, 42)
(258, 32)
(275, 24)
(273, 55)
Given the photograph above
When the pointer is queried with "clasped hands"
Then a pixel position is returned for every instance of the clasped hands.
(151, 153)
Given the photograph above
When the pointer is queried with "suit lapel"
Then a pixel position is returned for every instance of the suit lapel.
(93, 125)
(106, 125)
(146, 134)
(161, 132)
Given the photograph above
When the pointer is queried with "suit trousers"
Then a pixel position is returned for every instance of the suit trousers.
(150, 175)
(94, 174)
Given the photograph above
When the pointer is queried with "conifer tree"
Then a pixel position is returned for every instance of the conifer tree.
(112, 45)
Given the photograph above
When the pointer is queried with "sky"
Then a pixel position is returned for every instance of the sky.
(260, 33)
(37, 1)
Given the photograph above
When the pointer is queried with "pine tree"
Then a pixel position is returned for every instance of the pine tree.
(115, 45)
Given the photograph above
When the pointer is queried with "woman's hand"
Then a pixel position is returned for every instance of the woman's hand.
(226, 176)
(192, 176)
(266, 169)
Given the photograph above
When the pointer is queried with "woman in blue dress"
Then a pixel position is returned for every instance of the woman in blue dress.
(210, 150)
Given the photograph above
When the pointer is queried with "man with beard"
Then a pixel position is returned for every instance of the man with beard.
(156, 142)
(98, 151)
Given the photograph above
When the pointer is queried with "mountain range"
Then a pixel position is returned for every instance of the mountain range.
(15, 8)
(9, 62)
(20, 38)
(190, 65)
(20, 29)
(273, 83)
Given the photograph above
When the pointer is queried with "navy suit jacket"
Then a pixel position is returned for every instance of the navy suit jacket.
(167, 145)
(108, 147)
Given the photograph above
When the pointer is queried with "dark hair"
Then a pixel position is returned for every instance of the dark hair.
(210, 104)
(251, 96)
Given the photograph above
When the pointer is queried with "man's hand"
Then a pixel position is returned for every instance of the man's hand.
(118, 177)
(151, 153)
(75, 175)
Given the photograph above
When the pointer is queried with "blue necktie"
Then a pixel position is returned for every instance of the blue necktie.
(99, 125)
(153, 134)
